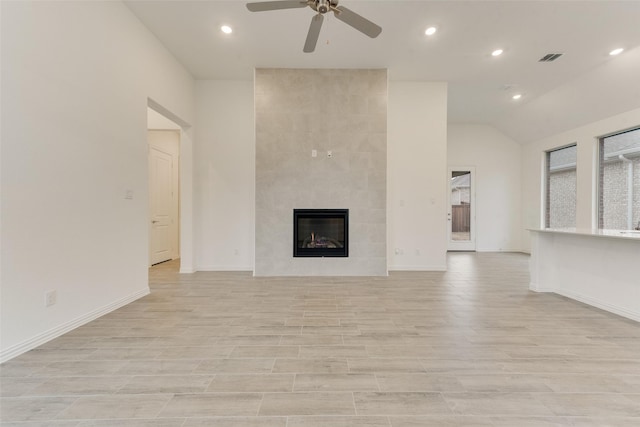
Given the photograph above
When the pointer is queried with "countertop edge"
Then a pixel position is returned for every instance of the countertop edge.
(609, 234)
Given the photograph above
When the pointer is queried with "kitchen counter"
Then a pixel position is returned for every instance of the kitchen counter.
(600, 268)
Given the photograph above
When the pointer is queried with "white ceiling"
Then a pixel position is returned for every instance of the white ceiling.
(586, 83)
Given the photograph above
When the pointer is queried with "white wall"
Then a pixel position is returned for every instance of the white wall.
(497, 159)
(416, 168)
(586, 138)
(76, 80)
(416, 176)
(225, 176)
(156, 121)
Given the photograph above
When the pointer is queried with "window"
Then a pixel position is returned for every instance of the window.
(619, 181)
(560, 206)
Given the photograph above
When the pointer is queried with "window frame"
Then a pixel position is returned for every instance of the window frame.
(546, 205)
(599, 175)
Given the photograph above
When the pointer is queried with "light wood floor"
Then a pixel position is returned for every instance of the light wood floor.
(470, 347)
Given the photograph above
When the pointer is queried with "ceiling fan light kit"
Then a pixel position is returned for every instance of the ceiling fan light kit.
(321, 6)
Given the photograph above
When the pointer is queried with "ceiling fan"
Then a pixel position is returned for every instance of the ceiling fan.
(321, 6)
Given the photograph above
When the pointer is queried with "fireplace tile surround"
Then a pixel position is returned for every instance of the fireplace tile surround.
(341, 111)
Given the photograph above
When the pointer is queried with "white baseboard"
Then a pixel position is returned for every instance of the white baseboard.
(442, 267)
(624, 312)
(224, 268)
(538, 288)
(499, 250)
(30, 344)
(629, 314)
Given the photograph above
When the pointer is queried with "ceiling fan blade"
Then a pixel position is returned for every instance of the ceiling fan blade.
(356, 21)
(275, 5)
(313, 34)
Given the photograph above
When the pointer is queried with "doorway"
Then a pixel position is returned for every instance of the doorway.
(461, 218)
(164, 188)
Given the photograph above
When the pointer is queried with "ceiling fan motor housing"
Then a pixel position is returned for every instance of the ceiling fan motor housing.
(324, 6)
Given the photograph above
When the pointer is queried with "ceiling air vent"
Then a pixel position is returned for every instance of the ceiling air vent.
(549, 57)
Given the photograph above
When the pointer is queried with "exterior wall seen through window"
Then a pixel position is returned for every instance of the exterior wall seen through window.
(562, 198)
(561, 188)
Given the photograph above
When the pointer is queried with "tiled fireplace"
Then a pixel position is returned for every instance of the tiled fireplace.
(321, 141)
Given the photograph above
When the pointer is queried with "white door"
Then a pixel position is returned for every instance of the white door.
(461, 217)
(160, 204)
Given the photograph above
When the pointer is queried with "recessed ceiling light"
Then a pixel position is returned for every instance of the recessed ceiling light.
(497, 52)
(226, 29)
(430, 31)
(615, 52)
(517, 96)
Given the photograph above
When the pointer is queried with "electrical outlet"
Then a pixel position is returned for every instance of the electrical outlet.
(50, 298)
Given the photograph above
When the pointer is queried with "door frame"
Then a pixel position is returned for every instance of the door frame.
(170, 149)
(185, 167)
(466, 245)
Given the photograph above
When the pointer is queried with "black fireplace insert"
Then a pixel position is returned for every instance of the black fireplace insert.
(321, 232)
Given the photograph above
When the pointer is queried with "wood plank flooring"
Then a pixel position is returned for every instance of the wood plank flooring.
(467, 347)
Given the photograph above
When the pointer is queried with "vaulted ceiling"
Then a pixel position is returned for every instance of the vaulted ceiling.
(583, 85)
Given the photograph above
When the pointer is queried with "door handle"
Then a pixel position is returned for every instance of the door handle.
(153, 222)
